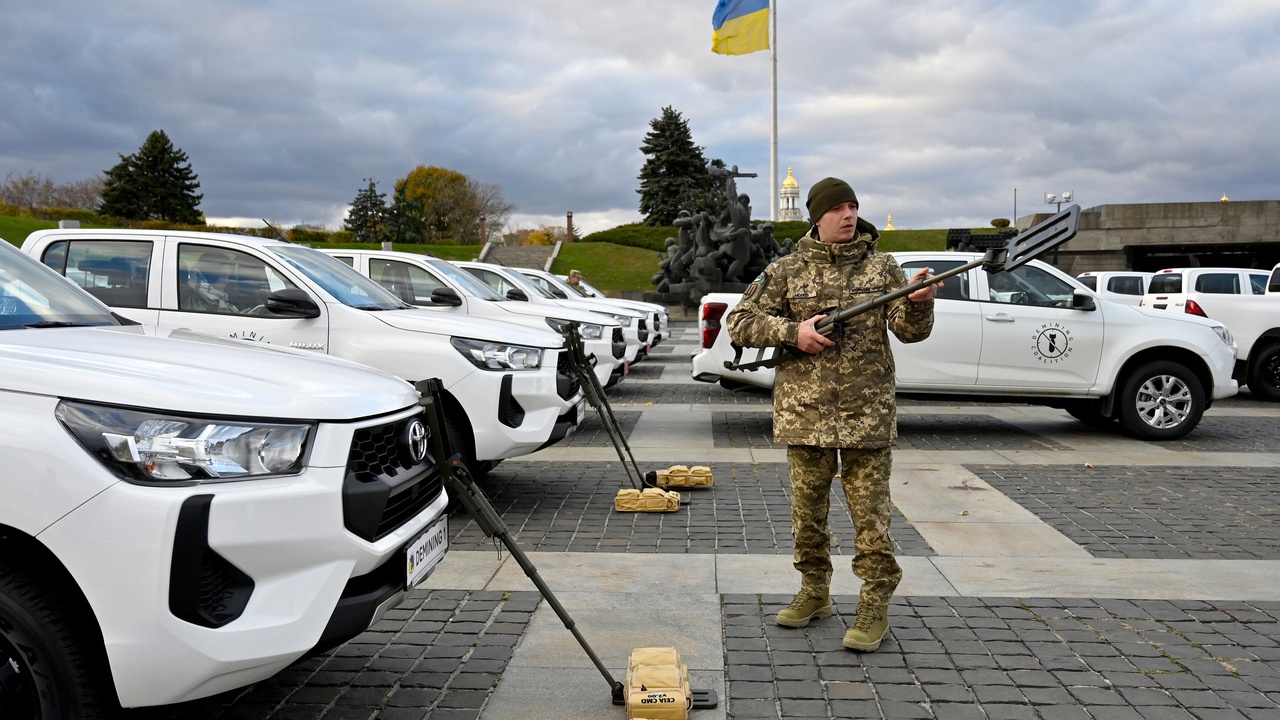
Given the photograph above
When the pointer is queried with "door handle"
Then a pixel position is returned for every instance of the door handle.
(1000, 317)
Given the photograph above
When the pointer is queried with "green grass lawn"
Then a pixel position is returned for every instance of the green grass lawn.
(16, 229)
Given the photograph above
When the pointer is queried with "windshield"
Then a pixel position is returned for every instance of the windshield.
(338, 279)
(466, 281)
(517, 278)
(32, 295)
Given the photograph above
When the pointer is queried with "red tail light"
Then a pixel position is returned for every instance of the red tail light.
(1193, 308)
(712, 312)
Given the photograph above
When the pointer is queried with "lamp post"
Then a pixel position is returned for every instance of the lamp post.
(483, 230)
(1051, 199)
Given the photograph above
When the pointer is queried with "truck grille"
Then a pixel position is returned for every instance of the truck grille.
(384, 487)
(642, 330)
(619, 347)
(567, 383)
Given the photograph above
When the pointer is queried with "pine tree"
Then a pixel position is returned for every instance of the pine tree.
(675, 176)
(155, 183)
(367, 217)
(404, 218)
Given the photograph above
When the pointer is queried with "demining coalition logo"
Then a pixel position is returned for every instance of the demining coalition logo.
(1052, 343)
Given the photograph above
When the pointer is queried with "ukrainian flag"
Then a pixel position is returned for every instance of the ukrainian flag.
(741, 27)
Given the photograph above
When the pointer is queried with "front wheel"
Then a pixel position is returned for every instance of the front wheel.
(47, 671)
(1161, 400)
(1264, 372)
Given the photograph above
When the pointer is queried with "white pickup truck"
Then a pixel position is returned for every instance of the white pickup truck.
(1246, 301)
(505, 392)
(182, 515)
(1034, 335)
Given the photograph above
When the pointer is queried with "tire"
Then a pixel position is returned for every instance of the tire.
(1160, 400)
(1264, 372)
(48, 669)
(1089, 412)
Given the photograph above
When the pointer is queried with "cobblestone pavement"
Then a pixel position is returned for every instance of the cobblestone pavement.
(1139, 512)
(563, 506)
(443, 654)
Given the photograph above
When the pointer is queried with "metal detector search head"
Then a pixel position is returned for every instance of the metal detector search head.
(1044, 236)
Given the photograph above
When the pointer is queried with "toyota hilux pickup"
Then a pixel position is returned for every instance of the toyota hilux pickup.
(440, 286)
(181, 514)
(1033, 335)
(508, 388)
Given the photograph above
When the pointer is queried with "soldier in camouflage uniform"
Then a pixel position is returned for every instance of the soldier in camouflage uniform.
(833, 398)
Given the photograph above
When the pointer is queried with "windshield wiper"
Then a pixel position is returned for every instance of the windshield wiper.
(61, 323)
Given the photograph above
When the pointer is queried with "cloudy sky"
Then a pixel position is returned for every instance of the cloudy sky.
(943, 114)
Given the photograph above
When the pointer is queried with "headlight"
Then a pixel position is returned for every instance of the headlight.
(589, 331)
(498, 356)
(623, 320)
(1225, 334)
(151, 447)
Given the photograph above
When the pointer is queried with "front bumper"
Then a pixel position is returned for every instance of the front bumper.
(299, 579)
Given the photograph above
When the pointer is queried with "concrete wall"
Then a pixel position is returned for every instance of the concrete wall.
(1151, 236)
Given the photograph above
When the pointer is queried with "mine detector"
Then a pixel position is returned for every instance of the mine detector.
(1020, 250)
(461, 485)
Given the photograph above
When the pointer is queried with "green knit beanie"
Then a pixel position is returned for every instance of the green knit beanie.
(826, 194)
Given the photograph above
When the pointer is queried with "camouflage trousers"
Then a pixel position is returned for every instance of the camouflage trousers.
(865, 477)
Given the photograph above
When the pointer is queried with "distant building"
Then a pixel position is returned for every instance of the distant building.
(1154, 236)
(790, 197)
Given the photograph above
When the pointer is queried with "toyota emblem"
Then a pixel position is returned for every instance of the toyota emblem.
(415, 441)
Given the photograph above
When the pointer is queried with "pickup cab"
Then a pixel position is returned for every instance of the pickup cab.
(1246, 301)
(442, 287)
(1123, 286)
(655, 315)
(183, 514)
(505, 392)
(1034, 335)
(512, 284)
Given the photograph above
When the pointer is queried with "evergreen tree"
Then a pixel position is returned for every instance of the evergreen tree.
(367, 218)
(404, 219)
(675, 176)
(155, 183)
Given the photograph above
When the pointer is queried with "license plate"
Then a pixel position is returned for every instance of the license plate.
(423, 554)
(582, 412)
(1161, 306)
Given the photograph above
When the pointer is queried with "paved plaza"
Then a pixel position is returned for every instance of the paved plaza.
(1052, 571)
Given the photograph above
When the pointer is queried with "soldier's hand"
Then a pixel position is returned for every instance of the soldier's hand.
(809, 340)
(924, 293)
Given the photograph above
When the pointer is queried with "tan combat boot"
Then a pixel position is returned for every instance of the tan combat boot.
(805, 607)
(869, 629)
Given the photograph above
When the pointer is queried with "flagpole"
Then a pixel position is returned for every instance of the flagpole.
(773, 128)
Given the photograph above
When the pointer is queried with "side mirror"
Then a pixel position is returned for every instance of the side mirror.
(445, 296)
(517, 294)
(1083, 301)
(292, 302)
(559, 294)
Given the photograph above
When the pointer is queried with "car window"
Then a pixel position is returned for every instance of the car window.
(223, 281)
(1125, 285)
(465, 280)
(1029, 285)
(114, 271)
(1273, 285)
(1089, 281)
(1258, 283)
(1218, 283)
(341, 281)
(409, 282)
(1166, 283)
(346, 259)
(953, 288)
(33, 297)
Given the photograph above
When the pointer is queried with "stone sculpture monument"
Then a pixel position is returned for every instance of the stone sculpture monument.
(723, 253)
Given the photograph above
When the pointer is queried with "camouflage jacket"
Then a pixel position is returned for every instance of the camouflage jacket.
(843, 396)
